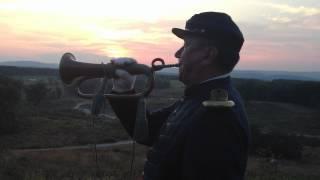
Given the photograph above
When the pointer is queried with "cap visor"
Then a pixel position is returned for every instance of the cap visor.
(181, 33)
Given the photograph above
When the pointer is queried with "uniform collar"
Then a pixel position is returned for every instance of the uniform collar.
(217, 77)
(204, 88)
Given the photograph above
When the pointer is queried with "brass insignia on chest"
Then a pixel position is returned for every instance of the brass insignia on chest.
(218, 98)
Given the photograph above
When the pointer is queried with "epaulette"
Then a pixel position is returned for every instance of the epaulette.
(218, 99)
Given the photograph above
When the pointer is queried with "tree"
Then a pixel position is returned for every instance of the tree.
(10, 95)
(36, 92)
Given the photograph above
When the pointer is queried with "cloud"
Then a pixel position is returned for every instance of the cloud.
(285, 8)
(34, 36)
(280, 47)
(275, 33)
(281, 19)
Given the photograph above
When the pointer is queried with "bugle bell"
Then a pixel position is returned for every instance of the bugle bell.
(73, 72)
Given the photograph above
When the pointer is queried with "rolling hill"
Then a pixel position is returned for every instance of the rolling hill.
(245, 74)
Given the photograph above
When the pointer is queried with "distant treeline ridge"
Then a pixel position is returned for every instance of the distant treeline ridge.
(291, 91)
(23, 71)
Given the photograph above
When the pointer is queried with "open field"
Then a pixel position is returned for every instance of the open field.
(71, 164)
(55, 123)
(115, 164)
(284, 117)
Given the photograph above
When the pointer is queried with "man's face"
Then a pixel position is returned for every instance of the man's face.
(190, 56)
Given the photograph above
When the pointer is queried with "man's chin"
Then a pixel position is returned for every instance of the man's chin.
(182, 78)
(180, 73)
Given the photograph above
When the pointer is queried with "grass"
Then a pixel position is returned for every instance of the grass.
(71, 164)
(266, 169)
(284, 117)
(115, 164)
(54, 124)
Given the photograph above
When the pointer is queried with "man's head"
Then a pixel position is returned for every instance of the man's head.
(212, 42)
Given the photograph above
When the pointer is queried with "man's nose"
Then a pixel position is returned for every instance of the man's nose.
(178, 53)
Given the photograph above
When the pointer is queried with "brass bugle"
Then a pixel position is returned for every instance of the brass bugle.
(70, 69)
(157, 67)
(74, 72)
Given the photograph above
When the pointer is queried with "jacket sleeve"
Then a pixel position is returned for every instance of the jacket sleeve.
(156, 119)
(214, 148)
(126, 110)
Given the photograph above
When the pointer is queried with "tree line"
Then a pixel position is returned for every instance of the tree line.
(27, 71)
(304, 93)
(16, 95)
(289, 91)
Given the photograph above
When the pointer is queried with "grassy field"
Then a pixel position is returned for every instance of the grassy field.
(55, 123)
(72, 164)
(115, 164)
(284, 117)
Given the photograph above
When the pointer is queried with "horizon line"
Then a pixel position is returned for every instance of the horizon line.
(236, 69)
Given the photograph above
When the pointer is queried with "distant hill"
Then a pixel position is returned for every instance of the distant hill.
(263, 75)
(272, 75)
(245, 74)
(33, 64)
(28, 71)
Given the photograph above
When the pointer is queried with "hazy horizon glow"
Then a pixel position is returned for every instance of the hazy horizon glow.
(279, 36)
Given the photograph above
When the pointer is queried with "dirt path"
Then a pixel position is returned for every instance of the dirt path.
(77, 106)
(84, 107)
(99, 146)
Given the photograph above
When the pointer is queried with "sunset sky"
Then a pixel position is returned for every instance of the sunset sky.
(279, 34)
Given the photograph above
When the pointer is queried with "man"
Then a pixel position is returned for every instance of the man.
(205, 134)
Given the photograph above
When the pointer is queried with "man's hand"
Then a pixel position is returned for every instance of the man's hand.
(124, 81)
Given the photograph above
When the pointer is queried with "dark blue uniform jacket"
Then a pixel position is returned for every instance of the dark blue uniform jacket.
(192, 142)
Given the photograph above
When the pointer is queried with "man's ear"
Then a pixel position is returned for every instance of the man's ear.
(211, 54)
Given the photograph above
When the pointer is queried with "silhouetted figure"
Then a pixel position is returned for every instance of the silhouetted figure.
(204, 135)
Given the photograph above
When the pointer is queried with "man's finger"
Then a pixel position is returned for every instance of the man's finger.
(123, 61)
(122, 74)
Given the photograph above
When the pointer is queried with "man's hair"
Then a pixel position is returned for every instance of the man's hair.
(227, 58)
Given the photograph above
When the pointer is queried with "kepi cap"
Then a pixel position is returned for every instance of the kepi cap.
(216, 26)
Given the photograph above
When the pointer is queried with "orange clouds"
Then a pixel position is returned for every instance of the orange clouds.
(276, 34)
